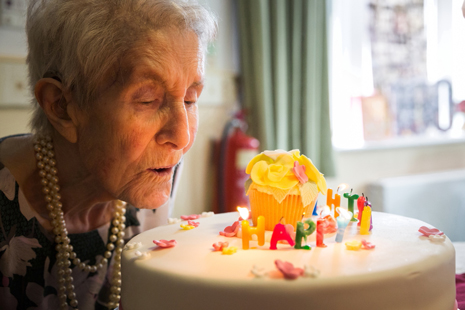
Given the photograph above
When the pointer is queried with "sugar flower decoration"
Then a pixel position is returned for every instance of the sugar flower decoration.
(231, 231)
(141, 255)
(190, 217)
(207, 214)
(186, 227)
(192, 223)
(219, 246)
(437, 238)
(429, 231)
(229, 250)
(258, 272)
(299, 171)
(354, 245)
(174, 220)
(132, 245)
(288, 270)
(165, 243)
(311, 272)
(367, 245)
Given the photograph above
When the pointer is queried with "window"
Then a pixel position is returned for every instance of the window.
(397, 71)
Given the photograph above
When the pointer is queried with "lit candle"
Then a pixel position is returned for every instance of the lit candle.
(366, 216)
(301, 232)
(320, 226)
(350, 203)
(333, 202)
(342, 221)
(248, 231)
(360, 206)
(280, 233)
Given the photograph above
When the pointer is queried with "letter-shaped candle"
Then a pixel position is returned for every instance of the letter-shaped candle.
(367, 203)
(280, 233)
(342, 222)
(366, 216)
(360, 206)
(303, 233)
(320, 227)
(248, 231)
(333, 202)
(350, 203)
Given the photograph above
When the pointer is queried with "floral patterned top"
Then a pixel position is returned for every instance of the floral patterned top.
(28, 274)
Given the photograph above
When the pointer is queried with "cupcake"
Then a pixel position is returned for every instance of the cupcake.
(283, 187)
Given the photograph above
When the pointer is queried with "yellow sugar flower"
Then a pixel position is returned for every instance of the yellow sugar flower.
(275, 169)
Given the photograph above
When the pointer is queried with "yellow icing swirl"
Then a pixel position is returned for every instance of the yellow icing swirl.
(275, 169)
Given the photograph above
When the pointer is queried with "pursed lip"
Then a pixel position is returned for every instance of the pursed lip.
(162, 171)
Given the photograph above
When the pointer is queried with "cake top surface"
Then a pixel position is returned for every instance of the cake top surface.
(400, 247)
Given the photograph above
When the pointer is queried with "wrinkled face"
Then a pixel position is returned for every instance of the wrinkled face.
(136, 132)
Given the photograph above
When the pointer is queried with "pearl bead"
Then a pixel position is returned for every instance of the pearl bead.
(87, 269)
(42, 173)
(104, 261)
(93, 269)
(76, 261)
(40, 165)
(73, 302)
(107, 254)
(121, 234)
(115, 230)
(110, 246)
(82, 266)
(113, 238)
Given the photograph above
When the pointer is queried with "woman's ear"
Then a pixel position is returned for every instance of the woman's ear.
(58, 106)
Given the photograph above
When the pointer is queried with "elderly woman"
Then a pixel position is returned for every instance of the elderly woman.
(115, 84)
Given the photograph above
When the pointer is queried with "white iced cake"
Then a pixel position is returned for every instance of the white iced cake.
(405, 270)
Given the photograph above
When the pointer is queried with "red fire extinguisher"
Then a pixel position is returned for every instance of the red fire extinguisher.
(235, 151)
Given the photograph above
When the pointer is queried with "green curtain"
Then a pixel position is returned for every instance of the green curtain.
(285, 76)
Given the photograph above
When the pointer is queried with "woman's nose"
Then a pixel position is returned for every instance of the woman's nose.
(175, 130)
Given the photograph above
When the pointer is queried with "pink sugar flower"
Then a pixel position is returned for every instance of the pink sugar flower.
(190, 217)
(218, 246)
(165, 243)
(192, 223)
(231, 231)
(429, 231)
(367, 245)
(288, 270)
(299, 171)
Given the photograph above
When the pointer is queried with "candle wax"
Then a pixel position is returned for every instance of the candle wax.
(280, 233)
(334, 202)
(301, 232)
(350, 203)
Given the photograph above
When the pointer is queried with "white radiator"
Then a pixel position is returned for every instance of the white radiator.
(435, 198)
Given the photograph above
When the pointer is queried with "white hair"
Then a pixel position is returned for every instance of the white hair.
(82, 42)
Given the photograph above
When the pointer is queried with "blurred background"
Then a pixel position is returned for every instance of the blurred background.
(388, 76)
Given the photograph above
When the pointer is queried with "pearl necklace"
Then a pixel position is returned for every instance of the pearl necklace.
(46, 163)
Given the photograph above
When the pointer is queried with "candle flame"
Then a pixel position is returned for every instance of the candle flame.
(341, 187)
(243, 212)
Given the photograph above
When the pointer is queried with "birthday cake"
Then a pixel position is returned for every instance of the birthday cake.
(402, 263)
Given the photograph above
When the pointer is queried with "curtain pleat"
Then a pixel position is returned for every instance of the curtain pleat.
(285, 76)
